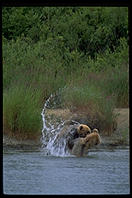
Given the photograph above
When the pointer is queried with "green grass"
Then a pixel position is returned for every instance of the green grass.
(21, 112)
(31, 72)
(115, 83)
(90, 100)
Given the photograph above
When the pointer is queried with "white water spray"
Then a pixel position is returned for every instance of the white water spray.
(50, 141)
(45, 127)
(50, 133)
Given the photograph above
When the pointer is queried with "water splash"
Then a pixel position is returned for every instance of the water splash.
(45, 129)
(50, 131)
(57, 148)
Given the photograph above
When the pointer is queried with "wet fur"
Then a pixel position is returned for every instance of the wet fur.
(91, 139)
(83, 130)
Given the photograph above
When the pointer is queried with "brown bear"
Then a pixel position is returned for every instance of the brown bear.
(82, 145)
(72, 132)
(78, 138)
(92, 139)
(80, 131)
(83, 130)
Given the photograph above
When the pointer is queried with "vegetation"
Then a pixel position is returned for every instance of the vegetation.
(84, 49)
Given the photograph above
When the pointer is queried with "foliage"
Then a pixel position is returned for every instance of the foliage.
(21, 112)
(89, 30)
(90, 99)
(84, 49)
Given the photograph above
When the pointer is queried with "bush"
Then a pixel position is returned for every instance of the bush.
(88, 55)
(90, 101)
(90, 30)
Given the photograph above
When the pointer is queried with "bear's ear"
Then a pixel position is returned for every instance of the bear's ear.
(81, 127)
(96, 130)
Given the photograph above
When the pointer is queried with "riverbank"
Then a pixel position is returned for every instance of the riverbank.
(119, 138)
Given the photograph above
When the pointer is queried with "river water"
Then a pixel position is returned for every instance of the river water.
(101, 172)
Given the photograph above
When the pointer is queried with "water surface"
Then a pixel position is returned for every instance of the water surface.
(101, 172)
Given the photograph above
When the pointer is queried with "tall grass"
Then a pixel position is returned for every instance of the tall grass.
(31, 72)
(21, 112)
(92, 103)
(116, 83)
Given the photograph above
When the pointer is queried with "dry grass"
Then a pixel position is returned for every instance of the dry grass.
(60, 113)
(122, 118)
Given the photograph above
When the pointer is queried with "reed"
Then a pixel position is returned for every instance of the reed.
(21, 112)
(31, 72)
(90, 101)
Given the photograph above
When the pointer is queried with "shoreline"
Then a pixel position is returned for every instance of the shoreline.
(108, 142)
(118, 139)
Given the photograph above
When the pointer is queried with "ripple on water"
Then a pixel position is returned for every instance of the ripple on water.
(98, 173)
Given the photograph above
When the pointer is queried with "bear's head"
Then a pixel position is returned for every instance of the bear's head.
(83, 130)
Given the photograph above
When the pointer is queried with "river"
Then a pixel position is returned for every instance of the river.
(32, 172)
